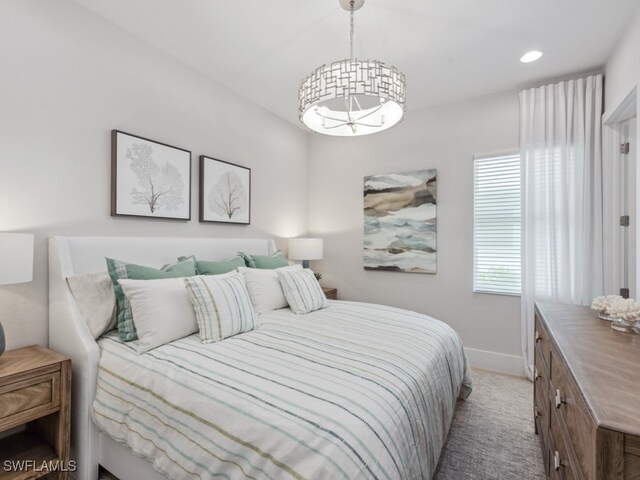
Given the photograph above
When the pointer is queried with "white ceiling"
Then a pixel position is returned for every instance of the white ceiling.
(448, 49)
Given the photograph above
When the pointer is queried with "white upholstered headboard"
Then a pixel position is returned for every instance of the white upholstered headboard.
(68, 332)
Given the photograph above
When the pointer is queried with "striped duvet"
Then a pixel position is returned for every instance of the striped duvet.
(353, 391)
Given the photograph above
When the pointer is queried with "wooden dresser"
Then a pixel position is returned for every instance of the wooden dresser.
(586, 395)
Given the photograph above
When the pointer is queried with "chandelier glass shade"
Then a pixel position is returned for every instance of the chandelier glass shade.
(352, 97)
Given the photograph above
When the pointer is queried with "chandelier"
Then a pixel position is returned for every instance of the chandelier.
(352, 97)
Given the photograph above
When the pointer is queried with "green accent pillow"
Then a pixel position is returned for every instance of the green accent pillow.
(210, 267)
(248, 260)
(275, 260)
(119, 270)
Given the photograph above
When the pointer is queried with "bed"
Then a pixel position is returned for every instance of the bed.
(353, 391)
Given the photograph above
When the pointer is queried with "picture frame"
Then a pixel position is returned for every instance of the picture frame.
(149, 178)
(401, 221)
(225, 192)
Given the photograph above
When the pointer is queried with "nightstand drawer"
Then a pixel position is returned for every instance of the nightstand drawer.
(29, 399)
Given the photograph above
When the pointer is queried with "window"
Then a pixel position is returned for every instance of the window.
(496, 224)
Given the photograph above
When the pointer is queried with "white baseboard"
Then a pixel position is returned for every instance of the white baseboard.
(495, 362)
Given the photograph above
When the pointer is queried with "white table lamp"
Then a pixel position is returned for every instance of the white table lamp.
(305, 249)
(16, 264)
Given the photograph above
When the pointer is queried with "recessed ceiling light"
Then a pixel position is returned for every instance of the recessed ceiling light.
(531, 56)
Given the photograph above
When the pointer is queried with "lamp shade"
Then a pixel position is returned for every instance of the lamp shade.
(305, 248)
(16, 258)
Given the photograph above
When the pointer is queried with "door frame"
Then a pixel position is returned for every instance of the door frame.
(613, 123)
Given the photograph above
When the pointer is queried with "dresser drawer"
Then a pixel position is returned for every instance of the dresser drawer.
(631, 458)
(541, 374)
(541, 411)
(29, 399)
(543, 342)
(572, 414)
(541, 367)
(543, 434)
(561, 464)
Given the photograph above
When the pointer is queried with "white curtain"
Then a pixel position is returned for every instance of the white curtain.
(560, 141)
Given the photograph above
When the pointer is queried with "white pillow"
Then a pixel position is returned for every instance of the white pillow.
(302, 290)
(162, 311)
(96, 300)
(264, 287)
(222, 305)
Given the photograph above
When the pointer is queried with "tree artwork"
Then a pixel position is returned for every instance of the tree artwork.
(228, 197)
(161, 187)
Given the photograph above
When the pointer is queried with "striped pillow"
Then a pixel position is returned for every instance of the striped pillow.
(302, 290)
(222, 305)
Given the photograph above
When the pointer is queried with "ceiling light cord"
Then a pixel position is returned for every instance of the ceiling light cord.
(348, 100)
(351, 4)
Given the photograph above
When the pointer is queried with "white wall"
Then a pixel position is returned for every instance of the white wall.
(445, 138)
(622, 75)
(622, 71)
(67, 78)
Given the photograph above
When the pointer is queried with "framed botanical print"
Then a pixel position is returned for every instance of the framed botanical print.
(225, 192)
(149, 178)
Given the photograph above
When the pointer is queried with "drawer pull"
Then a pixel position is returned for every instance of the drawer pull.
(536, 375)
(556, 461)
(538, 337)
(559, 400)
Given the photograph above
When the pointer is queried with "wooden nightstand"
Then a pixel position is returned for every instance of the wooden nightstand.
(35, 391)
(330, 293)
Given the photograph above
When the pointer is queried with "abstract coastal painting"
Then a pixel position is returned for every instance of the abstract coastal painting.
(400, 222)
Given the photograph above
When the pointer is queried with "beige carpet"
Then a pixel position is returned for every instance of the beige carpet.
(491, 437)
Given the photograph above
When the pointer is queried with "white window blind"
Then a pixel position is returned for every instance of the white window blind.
(496, 224)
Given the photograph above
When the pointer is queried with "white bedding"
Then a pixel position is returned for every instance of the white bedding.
(353, 391)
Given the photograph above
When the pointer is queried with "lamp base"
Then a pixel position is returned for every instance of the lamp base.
(2, 342)
(305, 263)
